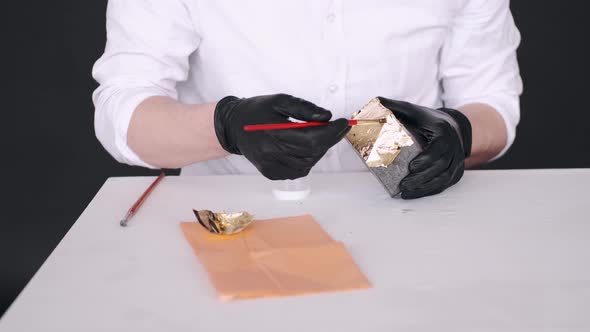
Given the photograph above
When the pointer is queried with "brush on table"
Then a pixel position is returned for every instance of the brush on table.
(140, 201)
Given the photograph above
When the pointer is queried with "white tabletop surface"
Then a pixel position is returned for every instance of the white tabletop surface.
(500, 251)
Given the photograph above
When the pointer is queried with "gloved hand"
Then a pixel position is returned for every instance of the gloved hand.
(445, 136)
(277, 154)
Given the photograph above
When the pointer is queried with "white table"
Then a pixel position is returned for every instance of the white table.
(500, 251)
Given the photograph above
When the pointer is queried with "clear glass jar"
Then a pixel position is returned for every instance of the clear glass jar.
(291, 190)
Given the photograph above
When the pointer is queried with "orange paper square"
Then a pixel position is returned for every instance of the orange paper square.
(277, 257)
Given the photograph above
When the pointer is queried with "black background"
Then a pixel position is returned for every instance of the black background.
(52, 165)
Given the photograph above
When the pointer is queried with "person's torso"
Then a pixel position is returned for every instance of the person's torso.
(336, 54)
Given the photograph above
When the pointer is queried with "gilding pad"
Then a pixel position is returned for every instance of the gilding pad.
(276, 257)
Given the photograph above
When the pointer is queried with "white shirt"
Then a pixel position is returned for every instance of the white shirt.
(337, 54)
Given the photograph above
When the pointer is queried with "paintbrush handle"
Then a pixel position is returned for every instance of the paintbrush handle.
(278, 126)
(295, 125)
(141, 199)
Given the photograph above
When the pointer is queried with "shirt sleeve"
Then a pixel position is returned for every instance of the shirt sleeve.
(479, 64)
(147, 52)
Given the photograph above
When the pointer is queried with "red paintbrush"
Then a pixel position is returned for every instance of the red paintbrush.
(295, 125)
(140, 201)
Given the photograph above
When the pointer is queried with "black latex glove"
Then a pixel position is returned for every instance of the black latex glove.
(445, 136)
(277, 154)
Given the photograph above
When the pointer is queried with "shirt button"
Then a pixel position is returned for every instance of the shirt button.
(333, 88)
(330, 18)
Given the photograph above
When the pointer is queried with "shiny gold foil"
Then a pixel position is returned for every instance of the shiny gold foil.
(380, 143)
(224, 223)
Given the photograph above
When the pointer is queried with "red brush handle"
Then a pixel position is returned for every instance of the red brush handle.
(140, 201)
(290, 125)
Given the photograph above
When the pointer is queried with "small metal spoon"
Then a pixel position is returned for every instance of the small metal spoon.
(223, 223)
